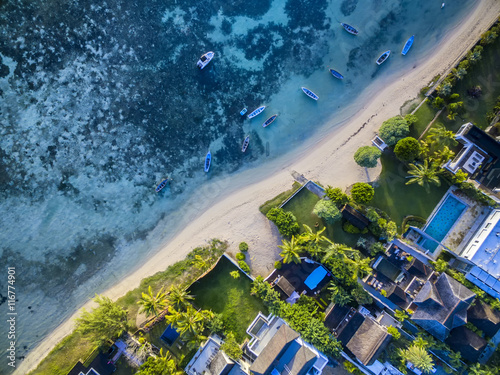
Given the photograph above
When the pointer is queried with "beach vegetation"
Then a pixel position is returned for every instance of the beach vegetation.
(160, 365)
(105, 322)
(407, 149)
(284, 220)
(475, 55)
(280, 198)
(362, 192)
(290, 251)
(243, 246)
(424, 175)
(367, 156)
(231, 347)
(278, 265)
(337, 196)
(394, 129)
(244, 266)
(190, 323)
(327, 210)
(459, 73)
(488, 37)
(444, 89)
(438, 102)
(153, 304)
(240, 256)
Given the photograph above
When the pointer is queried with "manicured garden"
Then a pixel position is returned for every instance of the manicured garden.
(223, 294)
(424, 114)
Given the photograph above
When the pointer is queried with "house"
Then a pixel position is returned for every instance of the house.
(479, 156)
(441, 305)
(276, 349)
(355, 217)
(467, 343)
(210, 360)
(99, 366)
(484, 318)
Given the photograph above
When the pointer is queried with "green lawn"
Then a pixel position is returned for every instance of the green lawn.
(221, 293)
(302, 205)
(425, 114)
(123, 368)
(400, 200)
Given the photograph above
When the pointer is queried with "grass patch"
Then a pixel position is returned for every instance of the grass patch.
(65, 355)
(397, 199)
(276, 201)
(425, 114)
(302, 206)
(221, 293)
(123, 367)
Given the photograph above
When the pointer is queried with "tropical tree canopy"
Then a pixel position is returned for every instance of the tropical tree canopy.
(339, 295)
(362, 192)
(153, 304)
(393, 130)
(367, 156)
(337, 196)
(178, 298)
(106, 321)
(327, 210)
(231, 347)
(285, 221)
(159, 365)
(423, 175)
(407, 149)
(291, 250)
(439, 136)
(419, 357)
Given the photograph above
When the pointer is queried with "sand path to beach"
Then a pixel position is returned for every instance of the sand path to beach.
(236, 217)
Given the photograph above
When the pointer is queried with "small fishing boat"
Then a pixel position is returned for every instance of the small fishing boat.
(245, 143)
(408, 45)
(383, 57)
(208, 160)
(336, 74)
(162, 185)
(256, 112)
(310, 94)
(269, 121)
(205, 59)
(243, 111)
(442, 6)
(350, 29)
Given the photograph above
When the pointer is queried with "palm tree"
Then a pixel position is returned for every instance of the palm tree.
(191, 322)
(153, 304)
(439, 136)
(419, 357)
(290, 251)
(200, 263)
(459, 73)
(442, 156)
(423, 175)
(340, 251)
(178, 298)
(313, 240)
(362, 266)
(339, 295)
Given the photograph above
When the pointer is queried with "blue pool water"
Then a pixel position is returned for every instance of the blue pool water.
(443, 220)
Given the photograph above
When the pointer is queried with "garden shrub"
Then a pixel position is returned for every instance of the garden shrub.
(243, 246)
(278, 265)
(407, 149)
(367, 156)
(285, 221)
(362, 192)
(393, 130)
(327, 210)
(472, 192)
(337, 196)
(377, 247)
(240, 256)
(349, 228)
(244, 266)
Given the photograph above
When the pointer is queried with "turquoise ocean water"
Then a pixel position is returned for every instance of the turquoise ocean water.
(100, 101)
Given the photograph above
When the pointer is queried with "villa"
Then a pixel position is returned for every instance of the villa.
(479, 157)
(99, 366)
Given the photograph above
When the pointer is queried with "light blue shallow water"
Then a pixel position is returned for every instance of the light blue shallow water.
(101, 100)
(446, 216)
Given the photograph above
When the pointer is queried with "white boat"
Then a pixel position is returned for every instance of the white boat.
(257, 111)
(245, 143)
(205, 59)
(383, 57)
(309, 93)
(442, 6)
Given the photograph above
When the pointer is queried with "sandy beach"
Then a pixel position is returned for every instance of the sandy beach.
(236, 217)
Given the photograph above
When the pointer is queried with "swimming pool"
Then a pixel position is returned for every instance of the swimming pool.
(442, 221)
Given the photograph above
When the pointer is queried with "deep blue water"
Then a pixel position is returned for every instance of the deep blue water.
(101, 100)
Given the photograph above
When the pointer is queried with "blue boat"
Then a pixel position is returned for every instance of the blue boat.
(336, 74)
(408, 45)
(269, 121)
(245, 144)
(350, 29)
(162, 185)
(310, 94)
(256, 112)
(208, 159)
(243, 111)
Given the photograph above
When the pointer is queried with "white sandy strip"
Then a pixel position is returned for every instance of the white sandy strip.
(236, 218)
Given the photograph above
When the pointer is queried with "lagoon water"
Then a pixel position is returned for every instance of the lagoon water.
(100, 101)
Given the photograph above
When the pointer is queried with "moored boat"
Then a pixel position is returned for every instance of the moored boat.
(243, 111)
(245, 143)
(350, 29)
(208, 160)
(269, 121)
(383, 57)
(310, 94)
(408, 45)
(205, 59)
(336, 74)
(257, 111)
(161, 185)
